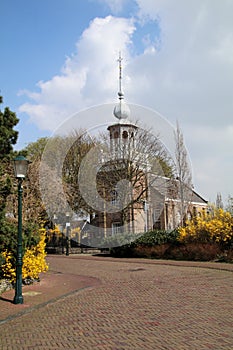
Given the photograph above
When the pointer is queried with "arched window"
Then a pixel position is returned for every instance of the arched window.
(116, 135)
(125, 134)
(114, 196)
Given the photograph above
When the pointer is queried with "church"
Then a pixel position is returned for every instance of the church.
(138, 194)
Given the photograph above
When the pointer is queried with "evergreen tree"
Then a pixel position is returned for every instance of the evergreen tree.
(8, 136)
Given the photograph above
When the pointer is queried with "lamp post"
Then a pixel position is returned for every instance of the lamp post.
(67, 234)
(20, 168)
(62, 238)
(146, 215)
(55, 238)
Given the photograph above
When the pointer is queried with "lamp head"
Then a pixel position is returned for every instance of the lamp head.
(20, 167)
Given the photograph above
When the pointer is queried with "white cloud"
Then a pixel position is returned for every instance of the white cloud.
(189, 78)
(211, 153)
(193, 70)
(88, 77)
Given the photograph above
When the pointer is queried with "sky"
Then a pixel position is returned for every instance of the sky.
(60, 57)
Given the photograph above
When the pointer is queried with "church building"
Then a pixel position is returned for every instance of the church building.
(138, 199)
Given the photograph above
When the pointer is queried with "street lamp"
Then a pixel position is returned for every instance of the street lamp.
(20, 168)
(55, 238)
(67, 233)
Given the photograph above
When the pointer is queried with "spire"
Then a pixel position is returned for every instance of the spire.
(120, 93)
(121, 110)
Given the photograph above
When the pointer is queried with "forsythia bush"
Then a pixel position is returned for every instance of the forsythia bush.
(33, 261)
(8, 269)
(214, 227)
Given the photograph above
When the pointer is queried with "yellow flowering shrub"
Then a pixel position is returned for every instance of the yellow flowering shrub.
(9, 271)
(54, 235)
(214, 227)
(33, 261)
(76, 233)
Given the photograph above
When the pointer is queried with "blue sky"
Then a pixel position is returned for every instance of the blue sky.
(59, 57)
(36, 38)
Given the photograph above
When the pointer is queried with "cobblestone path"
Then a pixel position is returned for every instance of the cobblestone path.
(136, 305)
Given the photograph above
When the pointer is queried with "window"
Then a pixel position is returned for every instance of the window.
(125, 134)
(116, 228)
(114, 196)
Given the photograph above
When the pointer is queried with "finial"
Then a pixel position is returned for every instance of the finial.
(120, 93)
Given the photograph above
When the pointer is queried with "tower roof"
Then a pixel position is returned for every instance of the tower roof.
(121, 110)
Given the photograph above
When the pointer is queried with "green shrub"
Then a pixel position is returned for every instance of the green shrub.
(8, 235)
(141, 247)
(119, 239)
(157, 237)
(9, 232)
(167, 245)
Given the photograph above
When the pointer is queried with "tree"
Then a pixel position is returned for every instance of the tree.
(40, 188)
(8, 187)
(80, 147)
(8, 136)
(183, 173)
(34, 211)
(229, 205)
(219, 203)
(48, 185)
(34, 150)
(34, 259)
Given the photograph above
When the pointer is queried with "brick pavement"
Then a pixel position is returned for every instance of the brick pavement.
(127, 304)
(51, 287)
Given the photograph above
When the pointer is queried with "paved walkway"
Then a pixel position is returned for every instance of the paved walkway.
(92, 303)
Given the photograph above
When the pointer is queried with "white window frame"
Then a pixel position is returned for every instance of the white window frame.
(116, 228)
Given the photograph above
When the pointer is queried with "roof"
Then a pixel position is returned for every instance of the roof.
(197, 198)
